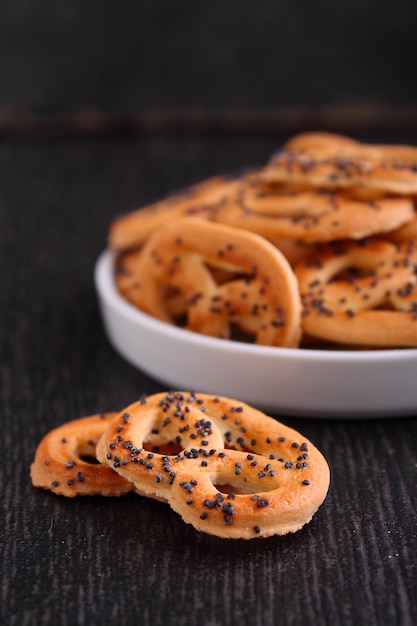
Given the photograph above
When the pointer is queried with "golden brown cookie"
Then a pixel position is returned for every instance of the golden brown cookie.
(200, 200)
(334, 161)
(211, 278)
(226, 468)
(361, 293)
(65, 460)
(311, 215)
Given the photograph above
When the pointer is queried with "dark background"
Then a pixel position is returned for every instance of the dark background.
(224, 65)
(104, 107)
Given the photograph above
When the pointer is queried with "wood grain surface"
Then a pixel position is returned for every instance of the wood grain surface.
(130, 560)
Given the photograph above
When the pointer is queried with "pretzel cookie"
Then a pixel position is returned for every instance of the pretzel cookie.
(334, 161)
(309, 214)
(200, 200)
(361, 293)
(226, 468)
(65, 460)
(404, 233)
(211, 278)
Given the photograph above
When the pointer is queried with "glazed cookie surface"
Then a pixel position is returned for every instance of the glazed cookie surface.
(225, 467)
(211, 278)
(65, 460)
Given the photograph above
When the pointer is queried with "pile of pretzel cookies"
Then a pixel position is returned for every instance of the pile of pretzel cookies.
(226, 468)
(318, 248)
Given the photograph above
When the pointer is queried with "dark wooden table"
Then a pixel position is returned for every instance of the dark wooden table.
(129, 560)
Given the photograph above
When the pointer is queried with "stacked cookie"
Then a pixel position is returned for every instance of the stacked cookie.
(319, 244)
(225, 467)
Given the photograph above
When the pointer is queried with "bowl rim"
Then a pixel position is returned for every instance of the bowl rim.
(107, 290)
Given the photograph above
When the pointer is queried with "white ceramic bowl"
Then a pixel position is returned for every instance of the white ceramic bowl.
(316, 383)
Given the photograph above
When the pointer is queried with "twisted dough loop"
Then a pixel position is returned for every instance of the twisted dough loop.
(320, 188)
(309, 214)
(198, 200)
(335, 161)
(257, 290)
(361, 293)
(404, 233)
(226, 468)
(64, 460)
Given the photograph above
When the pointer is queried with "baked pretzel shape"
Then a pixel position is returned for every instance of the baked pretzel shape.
(65, 460)
(226, 468)
(361, 293)
(334, 161)
(132, 229)
(404, 233)
(223, 276)
(309, 214)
